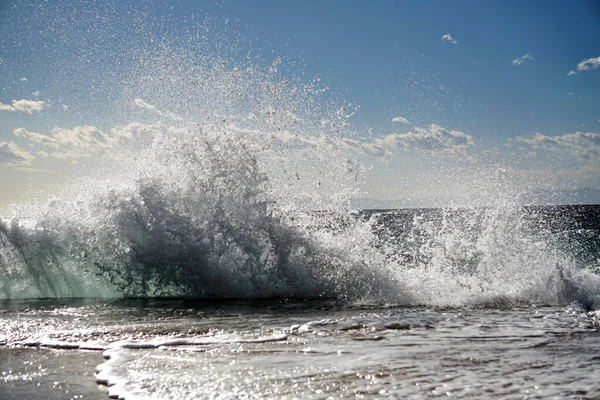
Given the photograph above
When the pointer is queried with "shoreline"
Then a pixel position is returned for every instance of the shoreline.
(44, 373)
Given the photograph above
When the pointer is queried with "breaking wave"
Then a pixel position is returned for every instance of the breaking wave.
(240, 187)
(197, 215)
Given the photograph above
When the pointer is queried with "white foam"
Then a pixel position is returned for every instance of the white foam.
(110, 373)
(203, 201)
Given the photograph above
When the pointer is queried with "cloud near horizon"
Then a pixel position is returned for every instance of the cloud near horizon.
(11, 154)
(583, 145)
(80, 141)
(586, 65)
(25, 106)
(86, 141)
(432, 138)
(365, 147)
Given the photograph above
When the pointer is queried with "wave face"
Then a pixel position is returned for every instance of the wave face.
(198, 215)
(195, 216)
(239, 187)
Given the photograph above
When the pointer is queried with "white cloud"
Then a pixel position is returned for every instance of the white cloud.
(400, 119)
(81, 141)
(34, 138)
(11, 154)
(583, 145)
(366, 147)
(375, 150)
(286, 140)
(433, 138)
(140, 134)
(26, 106)
(521, 61)
(142, 104)
(449, 38)
(87, 141)
(586, 65)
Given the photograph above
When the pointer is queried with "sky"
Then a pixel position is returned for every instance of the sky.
(438, 96)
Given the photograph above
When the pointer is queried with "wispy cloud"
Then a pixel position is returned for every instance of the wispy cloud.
(447, 37)
(366, 147)
(86, 141)
(11, 154)
(140, 134)
(142, 104)
(25, 106)
(34, 138)
(432, 138)
(400, 119)
(586, 65)
(80, 141)
(522, 61)
(583, 145)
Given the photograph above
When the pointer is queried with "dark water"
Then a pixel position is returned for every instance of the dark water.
(572, 229)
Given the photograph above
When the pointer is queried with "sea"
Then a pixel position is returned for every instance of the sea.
(195, 235)
(467, 303)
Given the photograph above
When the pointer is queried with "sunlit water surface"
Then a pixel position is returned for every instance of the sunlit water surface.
(188, 350)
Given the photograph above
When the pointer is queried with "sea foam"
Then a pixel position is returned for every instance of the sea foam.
(239, 185)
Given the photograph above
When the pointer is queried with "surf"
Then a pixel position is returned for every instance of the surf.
(240, 185)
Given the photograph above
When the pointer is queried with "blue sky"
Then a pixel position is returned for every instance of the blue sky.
(498, 72)
(377, 49)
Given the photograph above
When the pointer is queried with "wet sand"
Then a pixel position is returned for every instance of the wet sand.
(40, 373)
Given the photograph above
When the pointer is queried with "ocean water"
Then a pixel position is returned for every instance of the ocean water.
(268, 349)
(447, 327)
(212, 251)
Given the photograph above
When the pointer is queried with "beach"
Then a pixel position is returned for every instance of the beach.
(42, 373)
